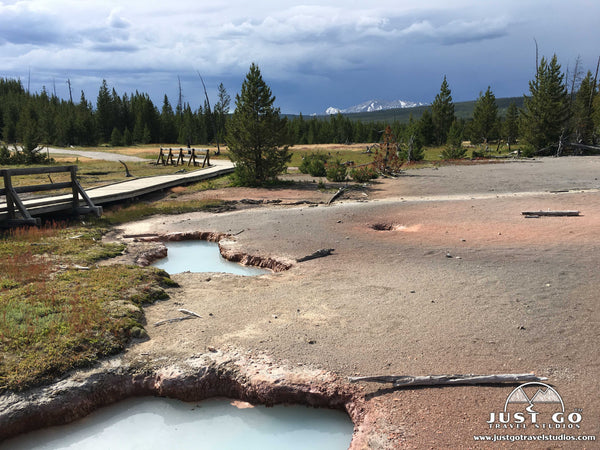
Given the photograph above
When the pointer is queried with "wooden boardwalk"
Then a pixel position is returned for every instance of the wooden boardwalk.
(123, 190)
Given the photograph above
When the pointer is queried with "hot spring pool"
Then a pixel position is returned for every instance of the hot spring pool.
(201, 256)
(158, 423)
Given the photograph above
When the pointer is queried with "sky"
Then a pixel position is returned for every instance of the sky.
(313, 55)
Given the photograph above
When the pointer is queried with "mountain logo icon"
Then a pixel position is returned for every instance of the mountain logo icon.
(543, 394)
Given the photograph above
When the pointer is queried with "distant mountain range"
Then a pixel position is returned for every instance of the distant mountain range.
(374, 105)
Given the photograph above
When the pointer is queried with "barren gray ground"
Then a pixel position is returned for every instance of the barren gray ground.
(517, 295)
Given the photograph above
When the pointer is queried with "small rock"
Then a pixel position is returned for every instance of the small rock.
(211, 314)
(311, 341)
(413, 292)
(521, 327)
(211, 349)
(274, 316)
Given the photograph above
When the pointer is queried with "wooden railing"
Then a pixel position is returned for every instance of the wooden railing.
(165, 158)
(16, 206)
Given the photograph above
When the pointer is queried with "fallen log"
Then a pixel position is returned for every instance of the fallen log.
(442, 380)
(318, 254)
(550, 213)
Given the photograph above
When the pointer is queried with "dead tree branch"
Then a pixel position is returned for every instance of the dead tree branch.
(442, 380)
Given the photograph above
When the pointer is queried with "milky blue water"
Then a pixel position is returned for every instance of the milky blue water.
(201, 256)
(158, 423)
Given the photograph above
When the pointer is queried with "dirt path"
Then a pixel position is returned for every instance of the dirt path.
(459, 282)
(104, 156)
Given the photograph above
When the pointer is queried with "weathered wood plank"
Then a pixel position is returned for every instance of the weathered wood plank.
(38, 187)
(36, 170)
(439, 380)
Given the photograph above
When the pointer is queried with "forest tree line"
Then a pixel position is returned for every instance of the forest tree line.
(556, 109)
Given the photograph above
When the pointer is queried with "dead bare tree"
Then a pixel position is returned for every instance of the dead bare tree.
(594, 84)
(211, 116)
(576, 77)
(180, 98)
(70, 92)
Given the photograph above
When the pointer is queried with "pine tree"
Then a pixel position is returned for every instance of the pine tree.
(510, 127)
(116, 138)
(546, 110)
(454, 148)
(221, 111)
(413, 142)
(426, 128)
(485, 116)
(596, 118)
(168, 132)
(256, 134)
(442, 113)
(104, 112)
(187, 128)
(583, 111)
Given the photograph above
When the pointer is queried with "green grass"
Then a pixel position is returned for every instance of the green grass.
(345, 155)
(54, 317)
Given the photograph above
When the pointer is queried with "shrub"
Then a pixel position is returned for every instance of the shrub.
(386, 158)
(527, 151)
(314, 164)
(336, 171)
(363, 174)
(452, 152)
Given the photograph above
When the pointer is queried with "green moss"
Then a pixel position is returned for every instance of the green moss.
(55, 319)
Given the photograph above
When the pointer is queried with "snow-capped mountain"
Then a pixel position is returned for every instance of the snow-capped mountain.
(374, 105)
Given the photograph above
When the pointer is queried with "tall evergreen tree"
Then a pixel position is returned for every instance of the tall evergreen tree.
(485, 116)
(86, 130)
(546, 110)
(426, 128)
(442, 113)
(168, 131)
(510, 127)
(583, 110)
(256, 134)
(187, 129)
(221, 111)
(454, 148)
(104, 112)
